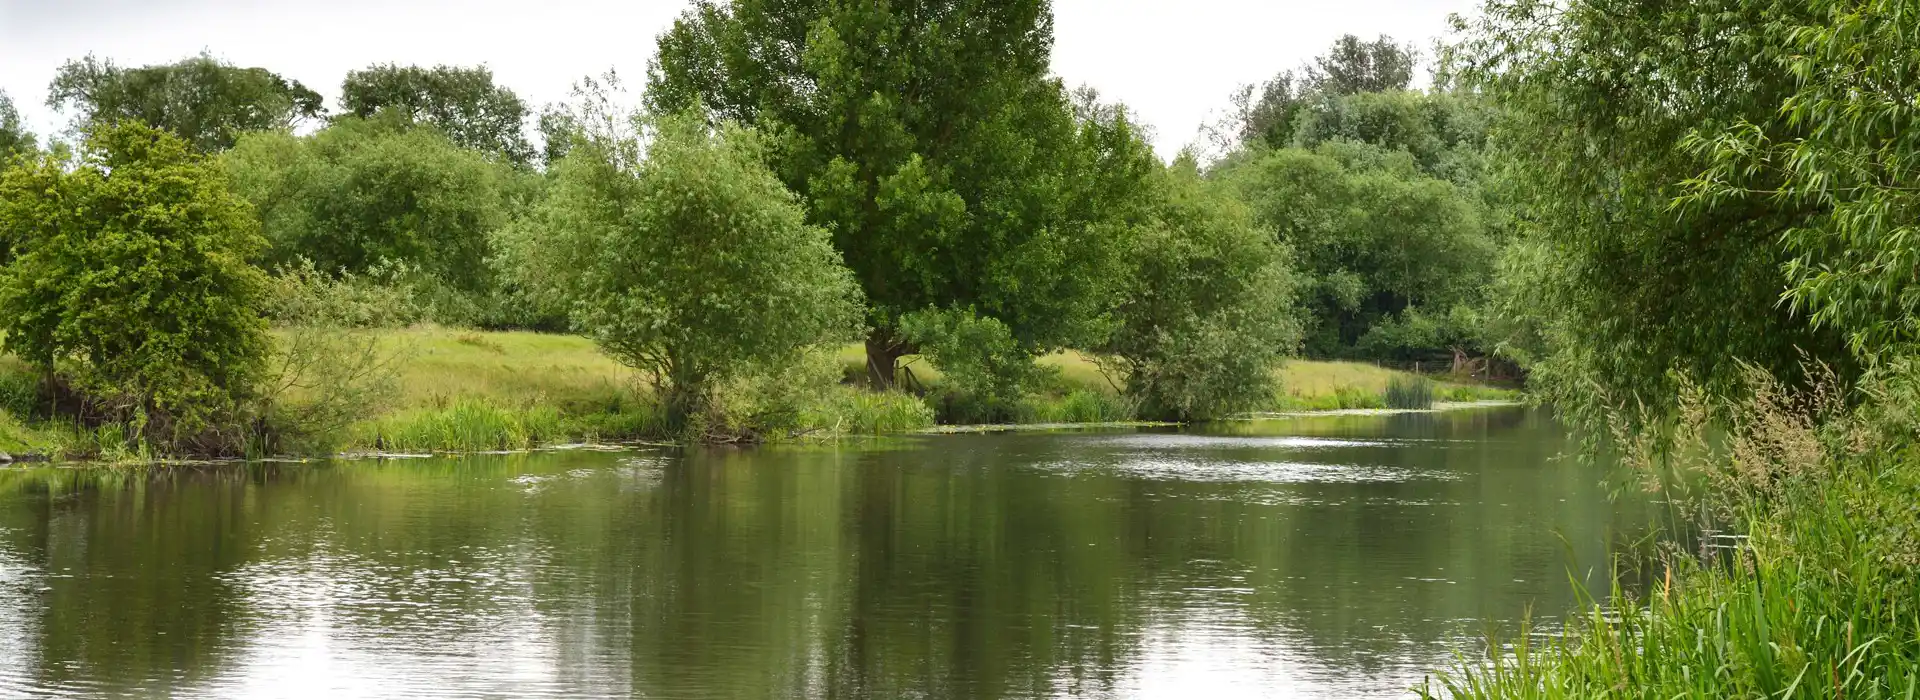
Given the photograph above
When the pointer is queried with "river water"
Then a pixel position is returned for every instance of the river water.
(1323, 557)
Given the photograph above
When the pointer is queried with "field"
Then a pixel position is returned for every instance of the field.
(472, 390)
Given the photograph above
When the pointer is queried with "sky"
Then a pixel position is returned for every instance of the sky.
(1173, 63)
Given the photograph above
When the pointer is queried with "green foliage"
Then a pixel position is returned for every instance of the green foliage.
(1269, 117)
(1208, 308)
(204, 100)
(462, 103)
(691, 262)
(1375, 235)
(130, 275)
(982, 365)
(1622, 295)
(1416, 393)
(1839, 147)
(925, 135)
(362, 194)
(1816, 600)
(302, 296)
(15, 140)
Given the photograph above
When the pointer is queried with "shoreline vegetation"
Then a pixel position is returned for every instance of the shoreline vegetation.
(464, 391)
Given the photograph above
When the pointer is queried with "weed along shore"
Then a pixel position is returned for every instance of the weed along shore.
(454, 390)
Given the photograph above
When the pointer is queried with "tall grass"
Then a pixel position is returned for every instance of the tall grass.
(1821, 600)
(1409, 392)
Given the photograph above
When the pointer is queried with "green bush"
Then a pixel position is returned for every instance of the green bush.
(1207, 313)
(1409, 393)
(129, 274)
(693, 263)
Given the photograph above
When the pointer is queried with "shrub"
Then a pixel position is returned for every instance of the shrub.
(693, 264)
(1207, 315)
(129, 274)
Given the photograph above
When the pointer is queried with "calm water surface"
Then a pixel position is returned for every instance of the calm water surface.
(1325, 557)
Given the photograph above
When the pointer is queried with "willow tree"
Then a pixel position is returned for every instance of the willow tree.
(954, 174)
(1630, 296)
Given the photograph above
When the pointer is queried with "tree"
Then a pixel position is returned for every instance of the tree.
(1631, 296)
(462, 102)
(1373, 236)
(926, 136)
(686, 258)
(131, 276)
(208, 102)
(361, 193)
(1208, 311)
(1268, 115)
(1353, 66)
(15, 140)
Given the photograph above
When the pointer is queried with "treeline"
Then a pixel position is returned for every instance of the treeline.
(789, 179)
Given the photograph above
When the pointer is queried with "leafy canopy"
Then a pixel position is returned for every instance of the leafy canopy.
(671, 244)
(204, 100)
(130, 274)
(1375, 237)
(925, 135)
(359, 194)
(461, 102)
(1625, 295)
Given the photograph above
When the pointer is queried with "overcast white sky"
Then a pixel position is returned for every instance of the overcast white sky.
(1173, 62)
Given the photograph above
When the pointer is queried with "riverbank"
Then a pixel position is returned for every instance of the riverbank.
(1815, 594)
(470, 391)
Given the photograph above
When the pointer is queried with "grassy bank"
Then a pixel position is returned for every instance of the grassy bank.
(1818, 597)
(460, 390)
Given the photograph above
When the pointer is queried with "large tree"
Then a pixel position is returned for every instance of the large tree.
(926, 135)
(204, 100)
(1627, 296)
(462, 102)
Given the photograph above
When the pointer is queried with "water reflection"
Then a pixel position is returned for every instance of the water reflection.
(1302, 558)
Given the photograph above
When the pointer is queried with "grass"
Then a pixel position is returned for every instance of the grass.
(1313, 385)
(1819, 599)
(463, 390)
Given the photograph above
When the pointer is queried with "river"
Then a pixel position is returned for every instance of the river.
(1316, 557)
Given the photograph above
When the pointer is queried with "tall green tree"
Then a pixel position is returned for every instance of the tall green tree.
(1267, 114)
(132, 277)
(1627, 295)
(204, 100)
(684, 257)
(927, 137)
(15, 140)
(463, 102)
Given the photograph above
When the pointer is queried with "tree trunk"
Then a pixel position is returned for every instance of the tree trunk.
(883, 358)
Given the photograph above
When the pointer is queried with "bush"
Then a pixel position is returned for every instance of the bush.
(1410, 393)
(362, 193)
(984, 371)
(1208, 309)
(693, 264)
(129, 275)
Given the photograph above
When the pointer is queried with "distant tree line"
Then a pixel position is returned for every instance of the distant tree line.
(790, 179)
